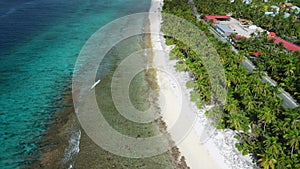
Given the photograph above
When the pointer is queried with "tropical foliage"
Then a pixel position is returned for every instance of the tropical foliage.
(265, 129)
(281, 65)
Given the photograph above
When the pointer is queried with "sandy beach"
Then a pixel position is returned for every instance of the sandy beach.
(185, 122)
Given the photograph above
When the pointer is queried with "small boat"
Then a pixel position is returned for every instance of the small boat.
(95, 84)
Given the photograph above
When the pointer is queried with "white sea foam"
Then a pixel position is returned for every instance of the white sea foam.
(73, 148)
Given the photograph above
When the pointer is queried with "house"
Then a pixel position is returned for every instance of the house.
(270, 14)
(272, 34)
(274, 11)
(216, 18)
(236, 38)
(287, 45)
(224, 30)
(286, 15)
(295, 9)
(254, 55)
(275, 8)
(247, 2)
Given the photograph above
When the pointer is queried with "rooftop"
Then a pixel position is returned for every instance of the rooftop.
(216, 17)
(287, 45)
(256, 54)
(224, 28)
(242, 30)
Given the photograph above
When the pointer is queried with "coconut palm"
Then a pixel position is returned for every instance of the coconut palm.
(266, 162)
(293, 139)
(249, 101)
(266, 115)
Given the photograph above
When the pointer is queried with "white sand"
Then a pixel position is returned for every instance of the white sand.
(183, 117)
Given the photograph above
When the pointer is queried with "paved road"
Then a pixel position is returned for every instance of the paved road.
(288, 100)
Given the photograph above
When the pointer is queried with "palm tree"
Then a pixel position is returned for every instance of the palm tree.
(273, 146)
(266, 161)
(293, 139)
(250, 101)
(235, 121)
(231, 105)
(266, 115)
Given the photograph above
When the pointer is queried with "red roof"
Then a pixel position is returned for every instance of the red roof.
(237, 36)
(287, 45)
(256, 54)
(215, 17)
(272, 34)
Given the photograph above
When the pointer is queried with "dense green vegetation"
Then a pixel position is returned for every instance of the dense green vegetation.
(281, 65)
(264, 128)
(287, 28)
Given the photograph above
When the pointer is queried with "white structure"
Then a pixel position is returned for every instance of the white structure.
(275, 8)
(270, 14)
(286, 15)
(247, 2)
(224, 30)
(243, 30)
(296, 9)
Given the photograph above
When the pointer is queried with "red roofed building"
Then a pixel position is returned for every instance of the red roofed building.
(236, 38)
(215, 18)
(272, 34)
(256, 54)
(240, 36)
(287, 45)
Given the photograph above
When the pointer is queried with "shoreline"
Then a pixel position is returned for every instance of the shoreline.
(176, 157)
(217, 152)
(58, 135)
(189, 147)
(196, 155)
(64, 124)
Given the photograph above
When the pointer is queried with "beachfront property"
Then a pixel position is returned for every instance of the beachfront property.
(242, 27)
(224, 30)
(216, 18)
(226, 26)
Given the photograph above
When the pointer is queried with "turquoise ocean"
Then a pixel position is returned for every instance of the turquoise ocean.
(39, 44)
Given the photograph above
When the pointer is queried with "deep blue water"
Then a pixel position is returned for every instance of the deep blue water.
(39, 44)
